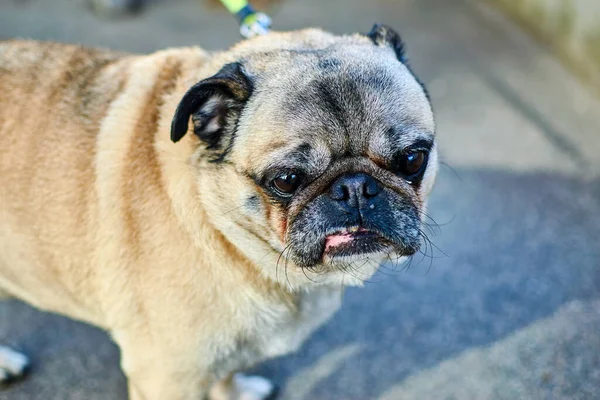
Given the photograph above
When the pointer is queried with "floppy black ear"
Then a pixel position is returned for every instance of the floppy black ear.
(213, 104)
(383, 35)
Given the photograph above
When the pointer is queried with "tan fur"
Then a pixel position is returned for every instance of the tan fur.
(102, 219)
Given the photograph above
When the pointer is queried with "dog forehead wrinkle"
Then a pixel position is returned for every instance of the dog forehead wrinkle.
(302, 156)
(355, 99)
(341, 98)
(380, 144)
(329, 64)
(379, 79)
(410, 137)
(313, 156)
(304, 149)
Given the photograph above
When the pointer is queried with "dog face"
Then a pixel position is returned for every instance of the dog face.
(317, 154)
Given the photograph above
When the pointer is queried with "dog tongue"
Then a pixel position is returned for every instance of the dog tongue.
(336, 240)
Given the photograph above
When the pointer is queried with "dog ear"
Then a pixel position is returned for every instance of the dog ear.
(383, 35)
(213, 104)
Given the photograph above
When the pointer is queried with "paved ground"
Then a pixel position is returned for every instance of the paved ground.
(508, 308)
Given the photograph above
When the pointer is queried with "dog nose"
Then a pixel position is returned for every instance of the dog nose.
(354, 189)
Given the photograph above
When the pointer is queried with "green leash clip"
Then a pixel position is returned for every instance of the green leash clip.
(252, 23)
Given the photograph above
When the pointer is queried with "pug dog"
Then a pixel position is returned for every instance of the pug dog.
(207, 210)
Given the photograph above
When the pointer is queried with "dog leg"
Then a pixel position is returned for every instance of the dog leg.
(158, 371)
(158, 368)
(243, 387)
(160, 381)
(12, 364)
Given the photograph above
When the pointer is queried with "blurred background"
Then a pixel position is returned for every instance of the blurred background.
(505, 302)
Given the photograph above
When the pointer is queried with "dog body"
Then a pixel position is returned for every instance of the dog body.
(110, 213)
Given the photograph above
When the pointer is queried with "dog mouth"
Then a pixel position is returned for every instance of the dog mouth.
(355, 241)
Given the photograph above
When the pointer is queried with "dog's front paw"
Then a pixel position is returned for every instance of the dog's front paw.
(253, 387)
(12, 364)
(243, 387)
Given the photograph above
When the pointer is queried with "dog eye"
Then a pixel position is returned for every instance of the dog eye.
(287, 183)
(412, 163)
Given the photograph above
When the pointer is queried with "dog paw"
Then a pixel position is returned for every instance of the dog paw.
(253, 387)
(243, 387)
(12, 364)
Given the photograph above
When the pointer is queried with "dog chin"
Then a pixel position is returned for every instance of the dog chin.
(351, 270)
(336, 260)
(356, 269)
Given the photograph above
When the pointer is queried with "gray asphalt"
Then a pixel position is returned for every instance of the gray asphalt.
(505, 303)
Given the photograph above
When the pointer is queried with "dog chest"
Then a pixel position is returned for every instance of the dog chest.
(275, 330)
(315, 307)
